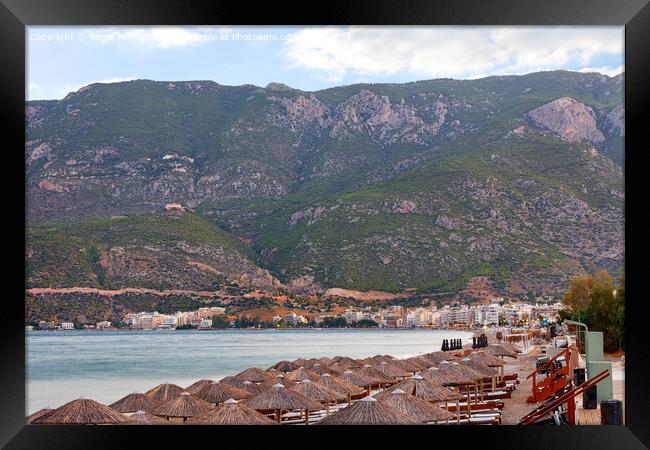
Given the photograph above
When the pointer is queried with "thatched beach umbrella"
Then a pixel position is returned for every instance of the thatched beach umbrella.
(254, 375)
(368, 411)
(326, 361)
(437, 357)
(231, 412)
(199, 385)
(183, 407)
(418, 409)
(463, 376)
(220, 392)
(284, 366)
(252, 388)
(485, 371)
(279, 399)
(418, 362)
(403, 364)
(347, 363)
(426, 390)
(443, 378)
(321, 369)
(490, 361)
(301, 374)
(135, 402)
(302, 362)
(423, 389)
(144, 418)
(338, 385)
(317, 392)
(358, 379)
(374, 373)
(392, 371)
(486, 359)
(498, 350)
(37, 415)
(82, 411)
(164, 392)
(269, 384)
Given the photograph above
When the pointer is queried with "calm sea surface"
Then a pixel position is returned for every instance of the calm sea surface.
(106, 365)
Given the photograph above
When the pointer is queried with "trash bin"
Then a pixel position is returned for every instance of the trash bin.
(589, 398)
(579, 375)
(611, 412)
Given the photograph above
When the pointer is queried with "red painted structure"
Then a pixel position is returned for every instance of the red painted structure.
(555, 381)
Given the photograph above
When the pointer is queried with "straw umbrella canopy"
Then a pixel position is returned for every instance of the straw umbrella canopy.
(347, 363)
(498, 350)
(326, 361)
(183, 406)
(392, 371)
(301, 374)
(302, 362)
(487, 372)
(135, 402)
(231, 412)
(144, 418)
(254, 375)
(403, 364)
(423, 389)
(220, 392)
(338, 385)
(368, 411)
(278, 398)
(269, 384)
(483, 369)
(464, 377)
(444, 378)
(416, 408)
(164, 392)
(436, 357)
(358, 379)
(252, 388)
(317, 392)
(418, 362)
(37, 415)
(284, 366)
(82, 411)
(198, 386)
(372, 372)
(486, 359)
(321, 369)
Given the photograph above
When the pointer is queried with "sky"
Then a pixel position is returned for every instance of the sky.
(63, 59)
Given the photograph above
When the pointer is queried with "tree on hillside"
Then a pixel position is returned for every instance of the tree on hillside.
(577, 297)
(600, 304)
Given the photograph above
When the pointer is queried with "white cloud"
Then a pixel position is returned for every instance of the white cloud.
(33, 86)
(458, 52)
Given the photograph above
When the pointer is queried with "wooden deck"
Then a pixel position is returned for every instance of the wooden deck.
(588, 416)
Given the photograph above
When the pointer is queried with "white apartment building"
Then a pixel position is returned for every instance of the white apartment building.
(352, 316)
(67, 326)
(486, 314)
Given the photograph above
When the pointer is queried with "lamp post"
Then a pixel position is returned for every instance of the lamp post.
(579, 324)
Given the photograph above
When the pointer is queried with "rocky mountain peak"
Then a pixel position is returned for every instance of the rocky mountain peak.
(571, 120)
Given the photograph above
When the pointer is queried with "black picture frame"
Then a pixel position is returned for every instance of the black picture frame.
(15, 15)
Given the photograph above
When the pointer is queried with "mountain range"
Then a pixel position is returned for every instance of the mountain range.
(415, 187)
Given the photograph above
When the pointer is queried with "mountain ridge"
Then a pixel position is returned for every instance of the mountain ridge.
(441, 169)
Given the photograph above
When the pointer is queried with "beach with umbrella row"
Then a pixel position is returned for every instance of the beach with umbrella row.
(466, 386)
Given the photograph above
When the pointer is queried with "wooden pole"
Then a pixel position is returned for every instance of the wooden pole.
(278, 416)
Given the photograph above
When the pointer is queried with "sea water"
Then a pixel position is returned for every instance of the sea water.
(107, 365)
